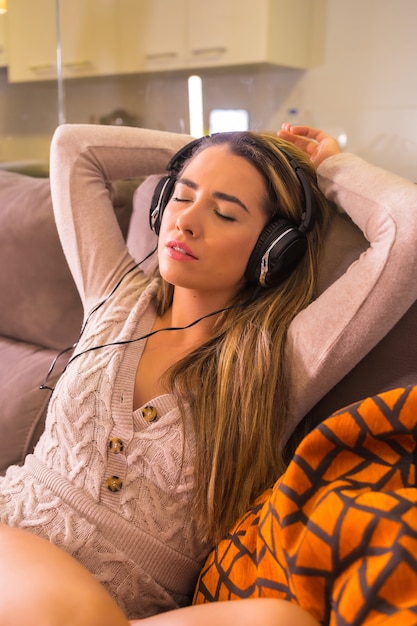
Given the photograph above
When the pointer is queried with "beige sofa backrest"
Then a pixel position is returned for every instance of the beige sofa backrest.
(40, 311)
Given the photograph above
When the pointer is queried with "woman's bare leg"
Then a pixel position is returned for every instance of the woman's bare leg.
(40, 584)
(265, 611)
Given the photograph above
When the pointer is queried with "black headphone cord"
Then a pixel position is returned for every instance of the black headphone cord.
(93, 310)
(128, 341)
(117, 285)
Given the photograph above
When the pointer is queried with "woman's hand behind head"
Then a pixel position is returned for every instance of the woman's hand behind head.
(317, 144)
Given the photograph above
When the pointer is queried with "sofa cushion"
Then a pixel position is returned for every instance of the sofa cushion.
(40, 304)
(391, 363)
(23, 368)
(141, 240)
(40, 310)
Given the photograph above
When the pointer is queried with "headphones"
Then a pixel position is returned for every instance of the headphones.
(279, 247)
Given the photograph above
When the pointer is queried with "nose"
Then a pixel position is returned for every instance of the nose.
(188, 221)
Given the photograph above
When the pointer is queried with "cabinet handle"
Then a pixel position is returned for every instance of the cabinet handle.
(77, 66)
(161, 56)
(42, 68)
(207, 51)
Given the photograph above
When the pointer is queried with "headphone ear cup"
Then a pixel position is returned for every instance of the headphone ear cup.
(161, 196)
(279, 248)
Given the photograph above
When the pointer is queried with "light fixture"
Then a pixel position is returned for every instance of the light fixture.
(60, 78)
(3, 6)
(195, 104)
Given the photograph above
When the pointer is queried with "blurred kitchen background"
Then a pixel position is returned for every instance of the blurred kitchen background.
(346, 66)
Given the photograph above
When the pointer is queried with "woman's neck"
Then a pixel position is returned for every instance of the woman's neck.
(187, 307)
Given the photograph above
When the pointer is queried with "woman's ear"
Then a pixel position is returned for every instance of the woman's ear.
(41, 584)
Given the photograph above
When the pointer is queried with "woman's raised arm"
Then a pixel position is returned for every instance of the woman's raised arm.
(337, 330)
(83, 159)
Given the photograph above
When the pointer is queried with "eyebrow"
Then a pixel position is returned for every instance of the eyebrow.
(217, 194)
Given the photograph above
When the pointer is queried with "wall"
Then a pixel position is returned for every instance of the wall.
(28, 112)
(365, 88)
(367, 85)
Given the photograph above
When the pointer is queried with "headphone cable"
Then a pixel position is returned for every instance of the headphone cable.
(128, 341)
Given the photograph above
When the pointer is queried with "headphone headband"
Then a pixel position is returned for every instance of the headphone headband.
(307, 218)
(177, 161)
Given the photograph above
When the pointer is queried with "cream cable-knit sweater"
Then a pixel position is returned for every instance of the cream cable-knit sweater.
(138, 536)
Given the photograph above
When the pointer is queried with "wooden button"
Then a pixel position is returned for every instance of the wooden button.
(149, 413)
(114, 483)
(116, 445)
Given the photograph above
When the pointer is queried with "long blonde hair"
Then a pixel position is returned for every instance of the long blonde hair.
(236, 384)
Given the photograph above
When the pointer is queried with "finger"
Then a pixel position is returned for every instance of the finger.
(304, 143)
(315, 134)
(297, 129)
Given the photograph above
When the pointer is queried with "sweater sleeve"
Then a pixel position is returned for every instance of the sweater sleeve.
(83, 159)
(328, 338)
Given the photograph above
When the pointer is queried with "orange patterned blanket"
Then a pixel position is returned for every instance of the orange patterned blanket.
(337, 534)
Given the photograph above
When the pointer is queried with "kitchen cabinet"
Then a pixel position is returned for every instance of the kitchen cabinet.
(31, 40)
(243, 32)
(88, 38)
(105, 37)
(164, 35)
(153, 35)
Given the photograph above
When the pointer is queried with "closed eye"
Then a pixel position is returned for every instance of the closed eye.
(176, 199)
(228, 218)
(222, 216)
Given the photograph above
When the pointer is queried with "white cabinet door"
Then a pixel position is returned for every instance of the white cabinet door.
(87, 34)
(31, 40)
(242, 32)
(221, 32)
(153, 34)
(88, 37)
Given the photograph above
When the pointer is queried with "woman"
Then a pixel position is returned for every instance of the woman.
(139, 497)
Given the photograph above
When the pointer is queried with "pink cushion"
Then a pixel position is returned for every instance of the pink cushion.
(23, 405)
(40, 309)
(40, 304)
(141, 240)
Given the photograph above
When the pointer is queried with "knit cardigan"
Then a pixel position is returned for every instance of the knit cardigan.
(106, 484)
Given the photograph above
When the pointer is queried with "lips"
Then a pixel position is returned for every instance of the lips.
(180, 248)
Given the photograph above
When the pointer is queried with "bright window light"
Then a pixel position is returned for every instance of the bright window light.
(223, 120)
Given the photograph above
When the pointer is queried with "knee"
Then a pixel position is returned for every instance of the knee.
(40, 583)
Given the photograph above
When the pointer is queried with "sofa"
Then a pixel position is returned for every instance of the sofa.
(40, 311)
(41, 315)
